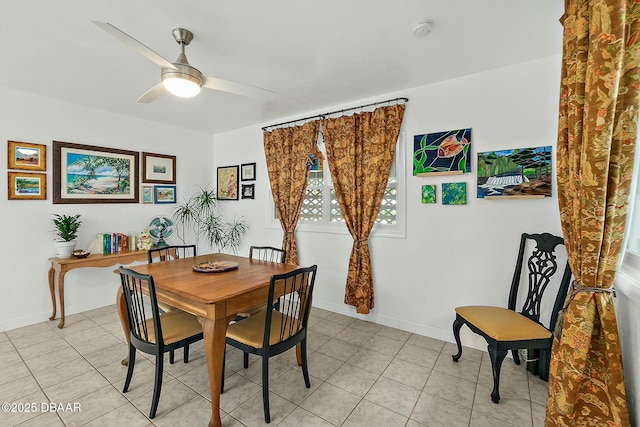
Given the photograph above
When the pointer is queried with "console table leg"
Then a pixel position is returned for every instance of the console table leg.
(61, 295)
(52, 289)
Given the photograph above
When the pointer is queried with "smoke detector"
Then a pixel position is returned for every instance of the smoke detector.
(421, 29)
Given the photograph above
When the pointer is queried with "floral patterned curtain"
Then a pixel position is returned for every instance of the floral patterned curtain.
(599, 97)
(287, 151)
(360, 150)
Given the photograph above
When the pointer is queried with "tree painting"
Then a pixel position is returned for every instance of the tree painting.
(519, 172)
(442, 152)
(88, 174)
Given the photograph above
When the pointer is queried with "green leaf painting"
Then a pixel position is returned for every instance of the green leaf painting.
(428, 194)
(442, 152)
(454, 193)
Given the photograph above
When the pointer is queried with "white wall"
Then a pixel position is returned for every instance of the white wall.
(27, 224)
(452, 255)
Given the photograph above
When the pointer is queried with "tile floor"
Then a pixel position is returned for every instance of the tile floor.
(362, 374)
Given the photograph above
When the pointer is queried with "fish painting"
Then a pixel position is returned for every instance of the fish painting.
(442, 152)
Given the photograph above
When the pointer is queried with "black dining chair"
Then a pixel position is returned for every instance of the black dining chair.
(271, 332)
(152, 332)
(167, 253)
(267, 254)
(506, 329)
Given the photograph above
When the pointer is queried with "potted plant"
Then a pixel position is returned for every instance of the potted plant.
(200, 213)
(66, 231)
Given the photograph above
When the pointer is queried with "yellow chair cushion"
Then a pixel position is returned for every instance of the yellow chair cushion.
(176, 325)
(250, 331)
(503, 324)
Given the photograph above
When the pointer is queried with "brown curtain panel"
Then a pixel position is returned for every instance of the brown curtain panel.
(596, 144)
(287, 151)
(360, 150)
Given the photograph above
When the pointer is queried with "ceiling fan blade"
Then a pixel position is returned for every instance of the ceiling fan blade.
(135, 44)
(238, 88)
(152, 94)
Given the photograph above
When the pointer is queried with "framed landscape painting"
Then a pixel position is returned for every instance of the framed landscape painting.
(158, 168)
(518, 173)
(27, 186)
(26, 156)
(90, 174)
(164, 194)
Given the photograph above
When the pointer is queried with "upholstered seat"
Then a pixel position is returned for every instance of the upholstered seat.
(503, 324)
(176, 324)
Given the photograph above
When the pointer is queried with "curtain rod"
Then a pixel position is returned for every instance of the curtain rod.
(322, 116)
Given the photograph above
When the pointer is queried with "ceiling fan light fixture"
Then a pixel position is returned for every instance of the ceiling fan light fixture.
(182, 87)
(183, 81)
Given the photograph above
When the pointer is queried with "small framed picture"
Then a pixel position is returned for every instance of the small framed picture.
(27, 186)
(248, 172)
(227, 188)
(158, 168)
(248, 191)
(147, 194)
(164, 194)
(26, 156)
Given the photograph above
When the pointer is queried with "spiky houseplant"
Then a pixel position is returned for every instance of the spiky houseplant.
(66, 227)
(66, 231)
(201, 215)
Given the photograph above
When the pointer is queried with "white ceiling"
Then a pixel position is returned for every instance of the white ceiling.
(314, 54)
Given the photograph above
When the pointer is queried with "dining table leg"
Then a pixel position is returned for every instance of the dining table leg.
(121, 304)
(215, 332)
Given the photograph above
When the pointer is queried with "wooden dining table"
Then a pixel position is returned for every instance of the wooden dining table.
(215, 298)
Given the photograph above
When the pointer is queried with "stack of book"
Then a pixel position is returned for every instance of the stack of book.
(113, 243)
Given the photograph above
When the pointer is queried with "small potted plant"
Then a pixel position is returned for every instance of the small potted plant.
(66, 231)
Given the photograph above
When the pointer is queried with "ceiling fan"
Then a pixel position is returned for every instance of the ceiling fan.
(180, 78)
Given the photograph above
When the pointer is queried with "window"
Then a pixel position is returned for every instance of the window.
(321, 211)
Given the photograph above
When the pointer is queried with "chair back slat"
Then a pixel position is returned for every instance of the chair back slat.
(297, 288)
(541, 267)
(167, 253)
(140, 297)
(267, 253)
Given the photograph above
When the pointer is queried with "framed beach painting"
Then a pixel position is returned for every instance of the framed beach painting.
(228, 183)
(26, 156)
(27, 186)
(164, 193)
(158, 168)
(90, 174)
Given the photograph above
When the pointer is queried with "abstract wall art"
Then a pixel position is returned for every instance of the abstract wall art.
(522, 172)
(442, 153)
(454, 193)
(428, 194)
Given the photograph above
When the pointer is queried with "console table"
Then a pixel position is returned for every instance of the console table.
(62, 265)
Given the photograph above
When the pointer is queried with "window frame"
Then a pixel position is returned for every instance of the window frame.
(397, 230)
